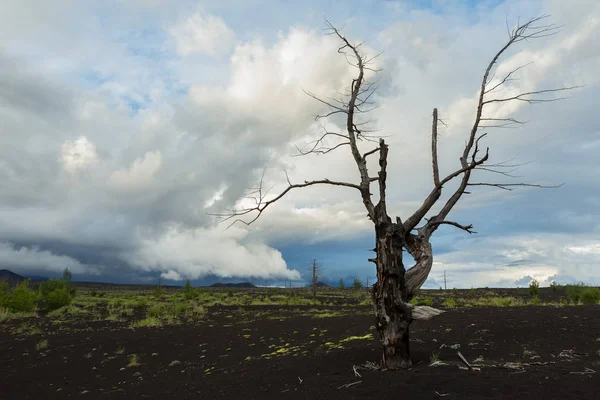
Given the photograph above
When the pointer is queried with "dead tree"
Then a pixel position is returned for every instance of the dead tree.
(315, 271)
(395, 285)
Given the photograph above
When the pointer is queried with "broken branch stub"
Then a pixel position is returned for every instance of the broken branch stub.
(424, 312)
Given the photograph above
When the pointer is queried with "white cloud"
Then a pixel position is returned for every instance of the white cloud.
(199, 252)
(34, 259)
(171, 275)
(78, 154)
(505, 260)
(202, 33)
(139, 175)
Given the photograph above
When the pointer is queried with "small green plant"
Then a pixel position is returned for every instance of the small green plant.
(120, 350)
(42, 344)
(133, 361)
(158, 292)
(573, 291)
(155, 311)
(4, 314)
(434, 360)
(149, 322)
(140, 303)
(4, 294)
(341, 284)
(528, 353)
(449, 303)
(357, 283)
(534, 288)
(536, 301)
(421, 301)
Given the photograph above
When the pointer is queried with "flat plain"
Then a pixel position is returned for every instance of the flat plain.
(139, 342)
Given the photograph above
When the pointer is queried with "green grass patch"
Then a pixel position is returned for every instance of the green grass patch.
(41, 345)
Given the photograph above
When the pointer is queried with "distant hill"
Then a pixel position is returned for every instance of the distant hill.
(233, 285)
(319, 284)
(36, 278)
(10, 277)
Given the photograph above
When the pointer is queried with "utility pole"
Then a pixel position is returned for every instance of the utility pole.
(445, 288)
(314, 277)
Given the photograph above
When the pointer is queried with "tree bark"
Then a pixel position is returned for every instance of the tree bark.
(420, 249)
(393, 315)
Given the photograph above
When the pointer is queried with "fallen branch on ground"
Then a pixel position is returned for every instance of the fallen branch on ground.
(464, 360)
(587, 371)
(347, 385)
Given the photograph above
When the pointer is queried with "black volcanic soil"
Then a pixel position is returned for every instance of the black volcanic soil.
(224, 357)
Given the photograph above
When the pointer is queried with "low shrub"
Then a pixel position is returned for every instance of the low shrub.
(536, 301)
(573, 292)
(4, 293)
(51, 285)
(155, 311)
(188, 291)
(421, 301)
(449, 303)
(58, 298)
(22, 298)
(590, 295)
(56, 293)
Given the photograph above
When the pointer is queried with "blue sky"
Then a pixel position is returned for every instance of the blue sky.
(125, 122)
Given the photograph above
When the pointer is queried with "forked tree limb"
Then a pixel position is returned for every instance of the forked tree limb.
(528, 30)
(261, 204)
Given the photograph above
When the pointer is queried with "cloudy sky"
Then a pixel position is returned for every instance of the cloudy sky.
(124, 122)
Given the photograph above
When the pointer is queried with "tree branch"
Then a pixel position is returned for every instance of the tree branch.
(507, 186)
(434, 156)
(383, 152)
(261, 204)
(467, 228)
(350, 123)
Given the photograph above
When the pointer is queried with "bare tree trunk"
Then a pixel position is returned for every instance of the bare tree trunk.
(393, 316)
